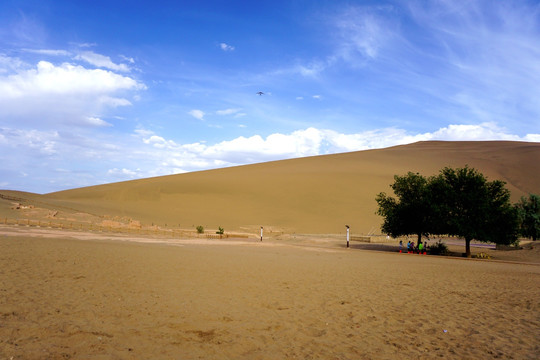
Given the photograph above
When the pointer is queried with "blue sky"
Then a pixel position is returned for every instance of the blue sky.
(94, 92)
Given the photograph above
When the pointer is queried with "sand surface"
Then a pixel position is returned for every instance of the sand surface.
(94, 297)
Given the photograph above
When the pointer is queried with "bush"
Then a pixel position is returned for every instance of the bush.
(200, 229)
(438, 248)
(221, 231)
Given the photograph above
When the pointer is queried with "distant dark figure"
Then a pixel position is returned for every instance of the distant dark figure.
(259, 93)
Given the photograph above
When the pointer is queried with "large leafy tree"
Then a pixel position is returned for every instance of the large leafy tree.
(410, 213)
(459, 202)
(473, 208)
(529, 216)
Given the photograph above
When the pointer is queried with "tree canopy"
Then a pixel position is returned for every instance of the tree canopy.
(529, 213)
(474, 208)
(458, 202)
(411, 214)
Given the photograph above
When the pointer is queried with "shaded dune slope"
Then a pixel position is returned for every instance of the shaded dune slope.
(307, 195)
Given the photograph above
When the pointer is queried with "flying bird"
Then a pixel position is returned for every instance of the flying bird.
(260, 93)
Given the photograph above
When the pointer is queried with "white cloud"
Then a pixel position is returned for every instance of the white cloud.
(124, 173)
(483, 131)
(10, 64)
(532, 137)
(85, 45)
(95, 121)
(226, 47)
(39, 143)
(197, 114)
(228, 111)
(146, 154)
(65, 79)
(49, 52)
(113, 102)
(101, 61)
(49, 92)
(311, 70)
(160, 142)
(128, 59)
(307, 142)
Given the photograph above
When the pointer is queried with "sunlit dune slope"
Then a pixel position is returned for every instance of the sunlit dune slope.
(308, 195)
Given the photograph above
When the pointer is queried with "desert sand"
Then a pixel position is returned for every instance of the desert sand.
(67, 295)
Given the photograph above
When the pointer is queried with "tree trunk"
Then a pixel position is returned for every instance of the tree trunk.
(468, 248)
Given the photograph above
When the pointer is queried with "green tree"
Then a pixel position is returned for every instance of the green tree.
(458, 202)
(529, 216)
(473, 208)
(411, 213)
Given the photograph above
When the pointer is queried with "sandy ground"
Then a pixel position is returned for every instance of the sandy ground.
(65, 298)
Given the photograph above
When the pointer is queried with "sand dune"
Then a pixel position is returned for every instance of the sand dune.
(308, 195)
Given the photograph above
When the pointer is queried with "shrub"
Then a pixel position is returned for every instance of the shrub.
(200, 229)
(439, 248)
(221, 231)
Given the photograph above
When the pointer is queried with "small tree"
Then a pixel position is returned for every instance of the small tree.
(474, 208)
(529, 216)
(200, 229)
(411, 213)
(220, 231)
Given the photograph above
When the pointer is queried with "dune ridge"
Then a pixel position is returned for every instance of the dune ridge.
(317, 194)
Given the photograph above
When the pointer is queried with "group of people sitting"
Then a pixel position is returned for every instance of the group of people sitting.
(412, 248)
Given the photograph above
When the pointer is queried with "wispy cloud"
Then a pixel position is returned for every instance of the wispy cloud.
(197, 114)
(101, 61)
(95, 121)
(489, 53)
(128, 59)
(38, 143)
(228, 111)
(226, 47)
(363, 31)
(49, 52)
